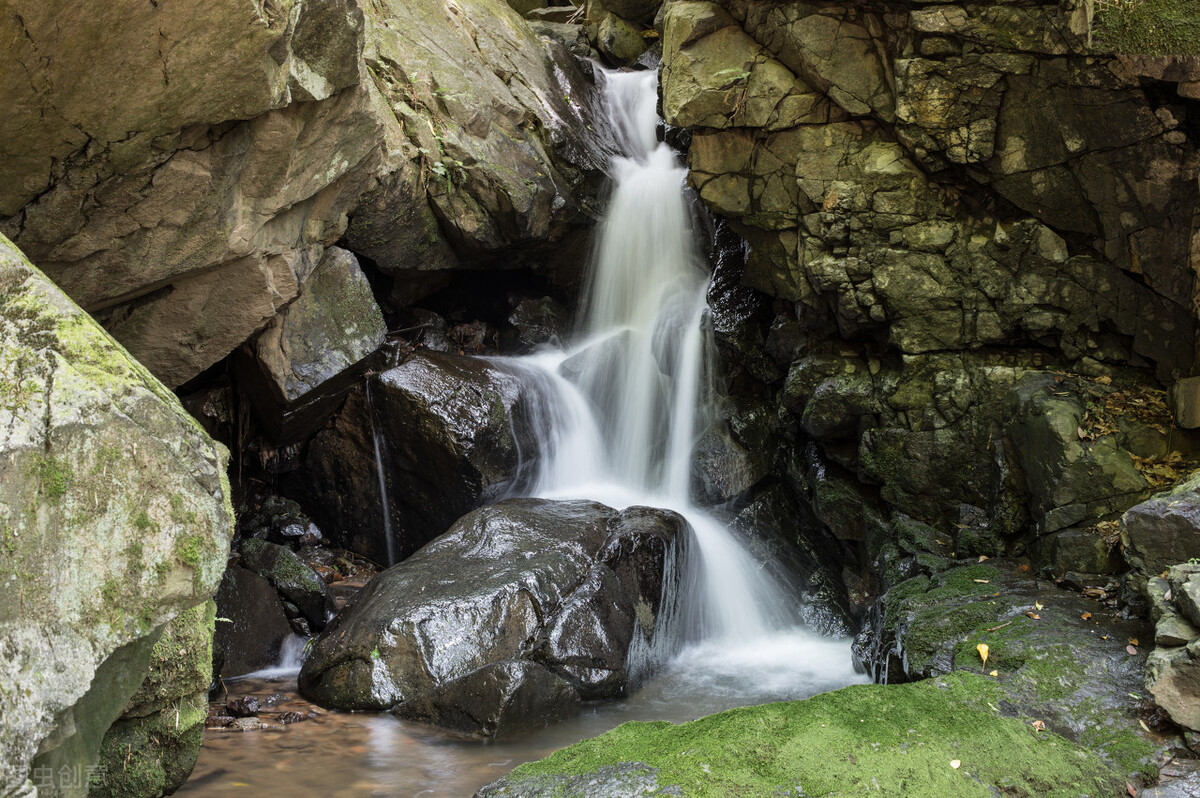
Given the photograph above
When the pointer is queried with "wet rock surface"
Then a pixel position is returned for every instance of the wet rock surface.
(444, 425)
(1067, 660)
(257, 624)
(562, 584)
(496, 700)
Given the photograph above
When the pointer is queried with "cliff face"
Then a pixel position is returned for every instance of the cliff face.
(948, 207)
(184, 183)
(947, 177)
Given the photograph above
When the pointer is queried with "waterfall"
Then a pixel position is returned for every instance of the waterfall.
(627, 402)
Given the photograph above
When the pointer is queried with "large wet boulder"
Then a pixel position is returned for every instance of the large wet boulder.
(566, 585)
(115, 520)
(447, 430)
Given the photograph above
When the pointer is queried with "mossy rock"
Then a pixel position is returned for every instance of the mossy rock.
(1057, 656)
(114, 520)
(152, 755)
(935, 738)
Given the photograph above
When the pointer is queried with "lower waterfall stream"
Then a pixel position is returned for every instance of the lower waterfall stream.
(621, 413)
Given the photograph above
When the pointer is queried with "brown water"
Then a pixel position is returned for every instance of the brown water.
(369, 754)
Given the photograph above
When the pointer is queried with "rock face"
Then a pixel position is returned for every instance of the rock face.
(504, 621)
(445, 427)
(1050, 662)
(940, 233)
(182, 189)
(1164, 530)
(1173, 669)
(301, 363)
(115, 517)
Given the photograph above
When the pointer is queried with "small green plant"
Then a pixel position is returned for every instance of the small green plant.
(54, 475)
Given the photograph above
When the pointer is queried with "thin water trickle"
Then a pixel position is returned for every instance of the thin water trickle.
(384, 504)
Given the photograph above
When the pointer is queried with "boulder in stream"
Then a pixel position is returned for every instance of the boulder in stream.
(448, 433)
(566, 585)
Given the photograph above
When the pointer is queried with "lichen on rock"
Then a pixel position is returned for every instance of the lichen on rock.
(115, 512)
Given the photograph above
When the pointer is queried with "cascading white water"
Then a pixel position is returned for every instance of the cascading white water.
(627, 402)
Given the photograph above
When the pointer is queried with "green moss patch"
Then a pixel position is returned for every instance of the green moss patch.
(900, 740)
(1146, 27)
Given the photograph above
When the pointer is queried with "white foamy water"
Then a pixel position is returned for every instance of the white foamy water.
(621, 411)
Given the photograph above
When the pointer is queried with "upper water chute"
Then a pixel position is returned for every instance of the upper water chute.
(625, 404)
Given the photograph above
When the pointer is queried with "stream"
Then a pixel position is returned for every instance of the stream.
(369, 754)
(619, 413)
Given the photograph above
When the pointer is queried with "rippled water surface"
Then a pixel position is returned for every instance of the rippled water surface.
(358, 754)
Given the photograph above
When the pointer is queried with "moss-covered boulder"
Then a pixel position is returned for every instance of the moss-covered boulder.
(152, 748)
(1054, 655)
(294, 580)
(946, 736)
(114, 520)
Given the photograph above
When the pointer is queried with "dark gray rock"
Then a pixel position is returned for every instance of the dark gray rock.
(539, 321)
(445, 426)
(291, 577)
(251, 625)
(1165, 529)
(561, 583)
(497, 700)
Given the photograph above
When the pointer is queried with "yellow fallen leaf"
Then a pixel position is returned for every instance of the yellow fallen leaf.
(1142, 723)
(1133, 641)
(994, 673)
(982, 648)
(1086, 615)
(1038, 725)
(1034, 615)
(956, 764)
(983, 557)
(983, 581)
(1037, 605)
